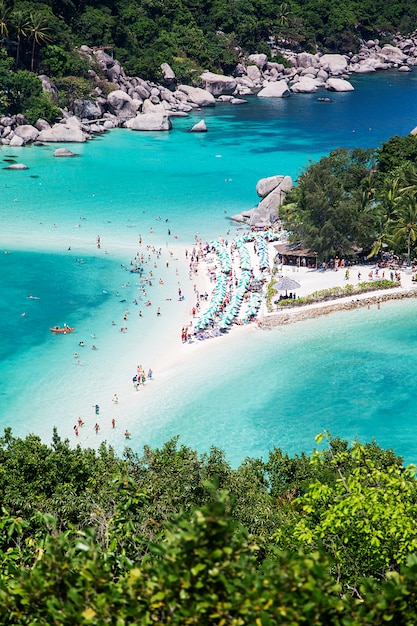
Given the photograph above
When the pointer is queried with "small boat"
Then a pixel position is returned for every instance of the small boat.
(64, 330)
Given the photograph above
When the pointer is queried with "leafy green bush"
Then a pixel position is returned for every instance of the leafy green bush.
(73, 88)
(333, 293)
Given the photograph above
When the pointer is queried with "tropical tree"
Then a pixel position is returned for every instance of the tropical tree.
(38, 33)
(326, 206)
(365, 519)
(4, 16)
(405, 222)
(20, 22)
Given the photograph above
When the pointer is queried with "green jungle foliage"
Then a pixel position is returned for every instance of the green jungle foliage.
(188, 34)
(357, 201)
(171, 537)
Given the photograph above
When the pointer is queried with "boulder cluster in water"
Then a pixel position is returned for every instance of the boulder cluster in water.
(143, 105)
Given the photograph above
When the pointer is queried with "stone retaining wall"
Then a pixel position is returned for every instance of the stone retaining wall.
(289, 316)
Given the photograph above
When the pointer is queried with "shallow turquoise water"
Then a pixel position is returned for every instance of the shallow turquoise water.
(280, 388)
(351, 373)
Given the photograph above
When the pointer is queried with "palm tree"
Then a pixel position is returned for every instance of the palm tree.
(283, 13)
(20, 23)
(405, 224)
(38, 32)
(4, 14)
(383, 236)
(390, 193)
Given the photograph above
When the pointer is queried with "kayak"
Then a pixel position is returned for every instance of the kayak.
(64, 330)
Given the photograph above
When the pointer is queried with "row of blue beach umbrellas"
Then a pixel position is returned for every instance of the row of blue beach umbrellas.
(244, 256)
(233, 308)
(223, 255)
(262, 251)
(253, 305)
(220, 290)
(210, 314)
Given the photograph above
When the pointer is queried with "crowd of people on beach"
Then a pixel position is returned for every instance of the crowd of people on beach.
(229, 266)
(238, 275)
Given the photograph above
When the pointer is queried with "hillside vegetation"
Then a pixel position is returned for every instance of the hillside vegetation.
(187, 34)
(173, 537)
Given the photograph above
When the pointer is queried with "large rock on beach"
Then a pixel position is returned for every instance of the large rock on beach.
(264, 186)
(201, 97)
(266, 212)
(258, 59)
(306, 84)
(275, 90)
(16, 141)
(217, 84)
(335, 64)
(338, 84)
(27, 133)
(67, 131)
(121, 104)
(154, 117)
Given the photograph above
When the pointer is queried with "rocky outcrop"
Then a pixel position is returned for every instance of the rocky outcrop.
(275, 90)
(266, 212)
(200, 97)
(338, 84)
(272, 190)
(26, 132)
(68, 131)
(121, 104)
(217, 84)
(153, 118)
(264, 186)
(306, 84)
(119, 100)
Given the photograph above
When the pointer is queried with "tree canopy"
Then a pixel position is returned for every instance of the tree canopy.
(175, 537)
(357, 201)
(190, 34)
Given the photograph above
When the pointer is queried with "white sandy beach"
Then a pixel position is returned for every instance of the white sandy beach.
(165, 353)
(155, 344)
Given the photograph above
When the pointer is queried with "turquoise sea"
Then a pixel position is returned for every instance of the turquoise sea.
(349, 373)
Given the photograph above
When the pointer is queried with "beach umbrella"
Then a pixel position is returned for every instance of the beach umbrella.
(286, 283)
